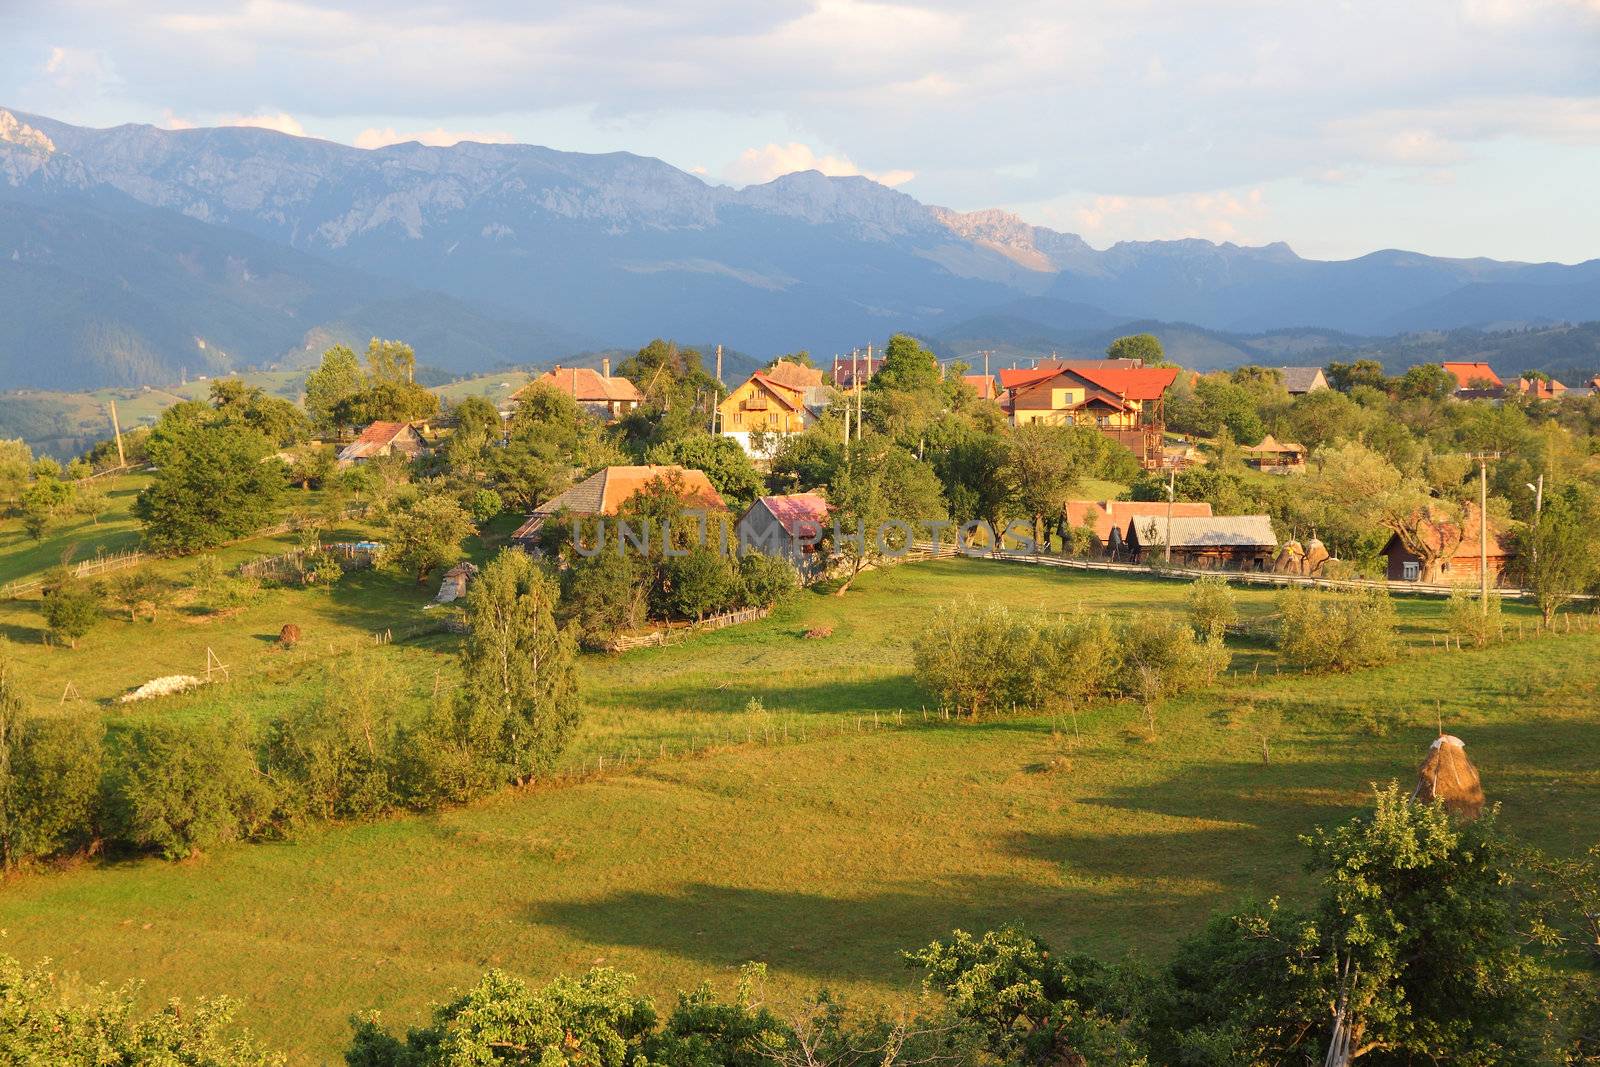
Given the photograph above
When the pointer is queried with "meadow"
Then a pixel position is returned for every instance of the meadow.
(822, 824)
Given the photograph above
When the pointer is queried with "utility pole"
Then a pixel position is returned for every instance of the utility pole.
(1483, 534)
(716, 404)
(986, 353)
(858, 391)
(1172, 491)
(116, 428)
(1483, 459)
(1538, 510)
(855, 380)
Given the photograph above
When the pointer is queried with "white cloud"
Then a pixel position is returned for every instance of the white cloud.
(438, 137)
(757, 165)
(1222, 215)
(79, 73)
(281, 121)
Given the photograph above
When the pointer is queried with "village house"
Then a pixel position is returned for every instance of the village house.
(1109, 518)
(1302, 380)
(772, 404)
(383, 439)
(1213, 542)
(1461, 564)
(605, 492)
(1475, 380)
(1124, 403)
(1275, 457)
(597, 392)
(1541, 389)
(787, 526)
(847, 370)
(984, 385)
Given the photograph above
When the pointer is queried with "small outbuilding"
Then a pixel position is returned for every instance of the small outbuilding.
(788, 526)
(384, 439)
(454, 585)
(1275, 456)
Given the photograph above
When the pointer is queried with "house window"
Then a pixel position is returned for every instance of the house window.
(1410, 570)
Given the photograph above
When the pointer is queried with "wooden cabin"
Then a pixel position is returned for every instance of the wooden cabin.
(1234, 542)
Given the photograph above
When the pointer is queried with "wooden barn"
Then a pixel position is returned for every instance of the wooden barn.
(1234, 542)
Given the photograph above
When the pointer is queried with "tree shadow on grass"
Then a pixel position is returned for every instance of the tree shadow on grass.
(858, 937)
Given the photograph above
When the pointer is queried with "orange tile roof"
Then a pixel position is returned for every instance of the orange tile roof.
(794, 375)
(983, 384)
(1467, 373)
(1130, 383)
(586, 385)
(1107, 515)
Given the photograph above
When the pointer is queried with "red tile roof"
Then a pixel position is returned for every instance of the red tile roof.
(1016, 378)
(373, 439)
(1140, 383)
(1467, 373)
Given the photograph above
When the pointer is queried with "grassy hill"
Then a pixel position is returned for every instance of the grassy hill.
(801, 834)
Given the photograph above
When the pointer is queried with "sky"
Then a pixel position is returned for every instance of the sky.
(1451, 127)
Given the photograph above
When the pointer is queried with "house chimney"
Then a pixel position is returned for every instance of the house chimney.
(605, 366)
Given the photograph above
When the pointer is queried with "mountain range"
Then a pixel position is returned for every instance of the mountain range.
(128, 255)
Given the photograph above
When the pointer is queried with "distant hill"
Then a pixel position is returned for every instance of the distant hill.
(130, 253)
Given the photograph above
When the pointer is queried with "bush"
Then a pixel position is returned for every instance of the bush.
(602, 596)
(766, 581)
(1468, 620)
(450, 755)
(1070, 659)
(967, 658)
(40, 1024)
(49, 778)
(49, 794)
(1161, 657)
(71, 609)
(1333, 631)
(182, 788)
(700, 583)
(1081, 542)
(1212, 608)
(333, 759)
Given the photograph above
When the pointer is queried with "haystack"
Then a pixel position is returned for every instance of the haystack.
(1448, 776)
(1289, 559)
(1316, 555)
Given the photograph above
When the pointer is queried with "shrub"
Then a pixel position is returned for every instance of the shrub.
(766, 581)
(181, 788)
(71, 609)
(967, 658)
(1161, 657)
(1468, 620)
(333, 758)
(49, 778)
(603, 595)
(447, 756)
(1334, 631)
(1212, 608)
(1070, 659)
(1081, 542)
(40, 1024)
(700, 583)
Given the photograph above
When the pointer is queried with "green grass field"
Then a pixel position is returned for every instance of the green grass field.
(825, 856)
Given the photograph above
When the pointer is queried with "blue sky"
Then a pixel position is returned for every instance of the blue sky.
(1455, 128)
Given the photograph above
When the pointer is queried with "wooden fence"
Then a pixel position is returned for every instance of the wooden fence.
(351, 556)
(114, 561)
(667, 635)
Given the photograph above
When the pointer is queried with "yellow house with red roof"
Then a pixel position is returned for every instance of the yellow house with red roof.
(772, 404)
